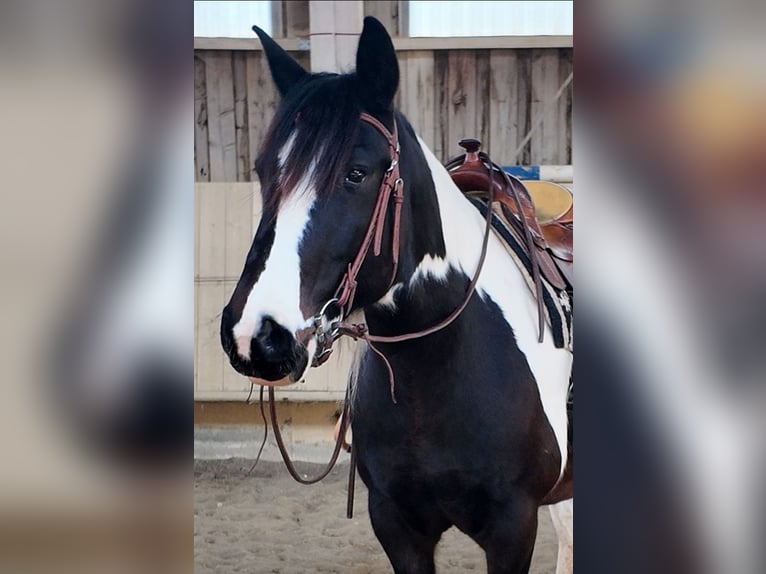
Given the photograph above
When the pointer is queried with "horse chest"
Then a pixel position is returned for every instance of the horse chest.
(443, 449)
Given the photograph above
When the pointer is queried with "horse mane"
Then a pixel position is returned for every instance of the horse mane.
(321, 116)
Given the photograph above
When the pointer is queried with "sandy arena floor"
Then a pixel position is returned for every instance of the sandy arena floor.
(267, 523)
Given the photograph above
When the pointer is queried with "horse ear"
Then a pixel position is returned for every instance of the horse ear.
(285, 71)
(376, 66)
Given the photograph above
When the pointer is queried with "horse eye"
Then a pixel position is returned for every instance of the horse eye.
(356, 175)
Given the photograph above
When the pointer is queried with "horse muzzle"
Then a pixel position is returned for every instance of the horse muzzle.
(275, 356)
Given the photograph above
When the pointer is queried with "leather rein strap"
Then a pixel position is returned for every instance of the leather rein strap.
(283, 449)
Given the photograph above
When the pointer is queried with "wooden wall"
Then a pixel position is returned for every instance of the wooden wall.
(491, 93)
(234, 101)
(486, 88)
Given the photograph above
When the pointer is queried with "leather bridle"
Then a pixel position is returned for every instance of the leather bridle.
(328, 330)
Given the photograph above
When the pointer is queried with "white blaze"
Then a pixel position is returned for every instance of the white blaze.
(276, 293)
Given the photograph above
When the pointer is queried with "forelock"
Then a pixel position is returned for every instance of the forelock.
(313, 132)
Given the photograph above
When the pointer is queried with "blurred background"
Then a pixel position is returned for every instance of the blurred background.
(96, 260)
(670, 156)
(97, 290)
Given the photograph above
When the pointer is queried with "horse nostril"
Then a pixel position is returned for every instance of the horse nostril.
(268, 326)
(274, 342)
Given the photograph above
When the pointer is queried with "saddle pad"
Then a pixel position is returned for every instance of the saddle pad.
(557, 303)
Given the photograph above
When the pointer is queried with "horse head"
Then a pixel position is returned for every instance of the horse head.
(321, 169)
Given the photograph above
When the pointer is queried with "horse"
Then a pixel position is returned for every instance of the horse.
(465, 425)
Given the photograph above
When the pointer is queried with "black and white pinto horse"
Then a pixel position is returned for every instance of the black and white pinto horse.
(477, 437)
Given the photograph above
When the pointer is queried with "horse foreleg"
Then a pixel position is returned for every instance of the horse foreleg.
(508, 538)
(409, 550)
(562, 515)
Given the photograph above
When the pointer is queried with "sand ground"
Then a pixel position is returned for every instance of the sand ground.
(267, 523)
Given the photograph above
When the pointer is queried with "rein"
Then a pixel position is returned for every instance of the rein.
(283, 449)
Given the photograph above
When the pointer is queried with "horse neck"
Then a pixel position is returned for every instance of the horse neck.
(441, 248)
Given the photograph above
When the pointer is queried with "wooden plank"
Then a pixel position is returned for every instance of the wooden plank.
(225, 232)
(241, 118)
(220, 116)
(278, 18)
(503, 89)
(441, 98)
(524, 105)
(239, 226)
(296, 19)
(403, 28)
(482, 100)
(462, 99)
(418, 103)
(385, 11)
(201, 160)
(402, 99)
(196, 274)
(402, 43)
(210, 355)
(211, 230)
(247, 43)
(262, 101)
(482, 42)
(291, 394)
(226, 217)
(196, 336)
(545, 82)
(565, 107)
(197, 209)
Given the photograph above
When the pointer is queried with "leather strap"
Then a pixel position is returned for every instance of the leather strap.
(391, 183)
(283, 450)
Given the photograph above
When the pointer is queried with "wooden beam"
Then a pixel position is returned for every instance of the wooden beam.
(292, 395)
(289, 44)
(296, 17)
(403, 24)
(483, 42)
(335, 28)
(467, 43)
(277, 19)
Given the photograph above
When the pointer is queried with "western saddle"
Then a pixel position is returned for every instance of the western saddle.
(547, 209)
